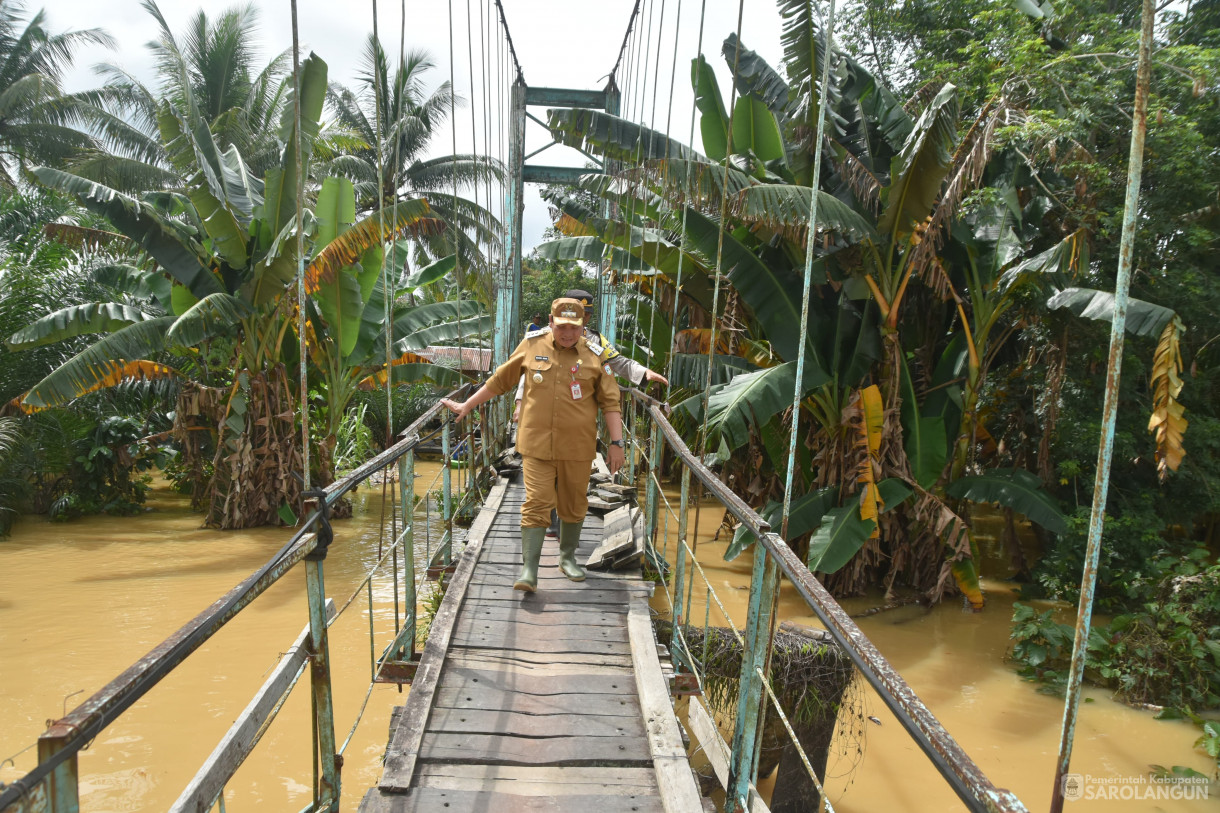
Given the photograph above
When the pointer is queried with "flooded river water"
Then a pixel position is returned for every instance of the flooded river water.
(80, 601)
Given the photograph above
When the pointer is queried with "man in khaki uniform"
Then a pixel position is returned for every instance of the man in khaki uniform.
(565, 384)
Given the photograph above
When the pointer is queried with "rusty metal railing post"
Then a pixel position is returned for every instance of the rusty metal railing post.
(406, 490)
(764, 581)
(652, 496)
(61, 788)
(1109, 410)
(319, 667)
(677, 652)
(446, 550)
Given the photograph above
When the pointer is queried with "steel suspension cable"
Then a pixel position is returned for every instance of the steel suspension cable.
(303, 379)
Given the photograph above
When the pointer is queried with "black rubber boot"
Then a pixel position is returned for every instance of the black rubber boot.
(531, 552)
(569, 538)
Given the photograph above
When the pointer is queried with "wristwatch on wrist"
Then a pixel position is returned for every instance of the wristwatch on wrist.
(618, 443)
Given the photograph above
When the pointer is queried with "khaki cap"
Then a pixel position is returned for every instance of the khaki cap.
(567, 312)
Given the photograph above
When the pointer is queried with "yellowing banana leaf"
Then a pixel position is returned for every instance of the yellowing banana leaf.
(1167, 421)
(108, 375)
(379, 227)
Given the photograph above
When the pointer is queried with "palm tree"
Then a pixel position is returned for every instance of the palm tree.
(36, 119)
(210, 75)
(399, 120)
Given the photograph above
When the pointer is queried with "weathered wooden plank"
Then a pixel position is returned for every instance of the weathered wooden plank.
(505, 573)
(546, 615)
(443, 747)
(517, 724)
(403, 747)
(599, 704)
(679, 793)
(616, 537)
(617, 595)
(201, 793)
(703, 728)
(513, 630)
(436, 799)
(567, 662)
(540, 682)
(539, 780)
(474, 641)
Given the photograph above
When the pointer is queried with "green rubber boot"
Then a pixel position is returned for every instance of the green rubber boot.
(531, 551)
(569, 538)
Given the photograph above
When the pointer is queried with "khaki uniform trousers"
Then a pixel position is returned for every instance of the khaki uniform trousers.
(559, 484)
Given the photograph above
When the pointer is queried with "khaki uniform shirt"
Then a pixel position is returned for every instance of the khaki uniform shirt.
(554, 425)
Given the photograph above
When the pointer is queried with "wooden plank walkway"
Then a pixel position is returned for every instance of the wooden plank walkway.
(551, 701)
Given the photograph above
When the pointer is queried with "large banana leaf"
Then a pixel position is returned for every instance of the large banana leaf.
(445, 332)
(615, 138)
(414, 319)
(588, 249)
(774, 299)
(917, 174)
(279, 206)
(924, 438)
(1056, 263)
(95, 366)
(651, 323)
(755, 130)
(648, 246)
(855, 345)
(348, 247)
(434, 271)
(1143, 318)
(1017, 489)
(138, 282)
(213, 315)
(228, 237)
(804, 514)
(881, 122)
(785, 208)
(689, 370)
(335, 211)
(752, 398)
(754, 77)
(698, 183)
(839, 537)
(77, 320)
(141, 223)
(713, 118)
(341, 304)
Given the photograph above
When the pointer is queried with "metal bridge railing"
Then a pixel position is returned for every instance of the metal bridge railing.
(773, 557)
(53, 784)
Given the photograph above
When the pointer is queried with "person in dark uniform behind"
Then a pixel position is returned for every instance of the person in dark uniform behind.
(565, 384)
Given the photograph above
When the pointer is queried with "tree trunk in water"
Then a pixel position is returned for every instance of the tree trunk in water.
(257, 454)
(197, 414)
(810, 676)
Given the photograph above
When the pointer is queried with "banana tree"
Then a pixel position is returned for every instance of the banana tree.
(228, 242)
(347, 329)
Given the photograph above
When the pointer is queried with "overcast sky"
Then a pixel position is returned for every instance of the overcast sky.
(560, 43)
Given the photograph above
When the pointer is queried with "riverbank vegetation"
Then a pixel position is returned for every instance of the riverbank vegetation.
(970, 200)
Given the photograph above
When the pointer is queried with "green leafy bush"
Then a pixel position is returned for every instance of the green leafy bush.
(1167, 653)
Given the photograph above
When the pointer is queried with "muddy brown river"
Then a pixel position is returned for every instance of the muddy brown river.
(80, 601)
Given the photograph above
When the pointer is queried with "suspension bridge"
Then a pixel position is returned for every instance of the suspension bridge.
(563, 699)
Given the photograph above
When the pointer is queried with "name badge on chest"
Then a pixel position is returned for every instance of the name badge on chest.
(576, 394)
